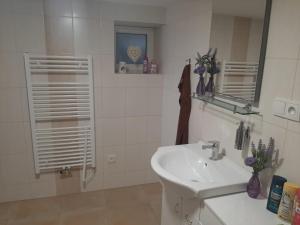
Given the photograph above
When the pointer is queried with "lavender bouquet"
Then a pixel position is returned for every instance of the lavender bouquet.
(261, 159)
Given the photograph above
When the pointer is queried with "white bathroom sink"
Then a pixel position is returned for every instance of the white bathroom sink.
(189, 166)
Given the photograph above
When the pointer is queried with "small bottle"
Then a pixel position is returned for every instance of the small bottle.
(275, 193)
(287, 201)
(153, 67)
(145, 65)
(296, 209)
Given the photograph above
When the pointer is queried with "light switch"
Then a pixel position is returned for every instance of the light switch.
(279, 107)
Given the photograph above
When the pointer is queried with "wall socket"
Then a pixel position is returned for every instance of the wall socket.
(112, 158)
(286, 109)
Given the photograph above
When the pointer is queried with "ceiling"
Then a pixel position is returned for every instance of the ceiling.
(245, 8)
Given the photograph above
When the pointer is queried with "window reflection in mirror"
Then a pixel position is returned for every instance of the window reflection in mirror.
(240, 35)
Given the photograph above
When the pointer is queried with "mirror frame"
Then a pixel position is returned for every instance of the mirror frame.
(261, 65)
(263, 50)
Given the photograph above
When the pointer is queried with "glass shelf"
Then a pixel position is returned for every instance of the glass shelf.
(235, 108)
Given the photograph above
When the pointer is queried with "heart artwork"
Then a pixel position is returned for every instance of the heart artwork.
(134, 53)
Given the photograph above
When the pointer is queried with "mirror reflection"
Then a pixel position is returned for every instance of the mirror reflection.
(238, 34)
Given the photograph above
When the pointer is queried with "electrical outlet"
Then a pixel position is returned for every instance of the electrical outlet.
(112, 158)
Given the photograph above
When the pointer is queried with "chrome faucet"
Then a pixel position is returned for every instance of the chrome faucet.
(215, 147)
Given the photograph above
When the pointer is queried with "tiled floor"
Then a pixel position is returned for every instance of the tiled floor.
(138, 205)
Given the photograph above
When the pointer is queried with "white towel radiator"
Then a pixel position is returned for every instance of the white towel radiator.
(61, 105)
(238, 79)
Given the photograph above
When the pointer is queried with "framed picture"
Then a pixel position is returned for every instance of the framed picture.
(132, 44)
(131, 48)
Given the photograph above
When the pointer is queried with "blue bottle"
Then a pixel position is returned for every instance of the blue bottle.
(275, 193)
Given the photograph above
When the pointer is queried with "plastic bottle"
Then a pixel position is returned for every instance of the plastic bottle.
(275, 193)
(145, 65)
(296, 209)
(287, 201)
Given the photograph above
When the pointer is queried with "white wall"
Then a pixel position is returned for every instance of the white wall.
(186, 32)
(281, 78)
(128, 108)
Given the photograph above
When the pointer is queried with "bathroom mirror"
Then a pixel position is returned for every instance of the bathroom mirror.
(239, 31)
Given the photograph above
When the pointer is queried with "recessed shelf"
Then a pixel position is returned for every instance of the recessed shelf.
(235, 108)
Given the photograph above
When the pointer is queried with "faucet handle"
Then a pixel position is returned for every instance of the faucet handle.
(214, 143)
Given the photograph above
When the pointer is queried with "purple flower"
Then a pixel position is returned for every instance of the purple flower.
(250, 161)
(200, 70)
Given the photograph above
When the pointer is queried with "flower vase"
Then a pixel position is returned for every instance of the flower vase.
(253, 186)
(201, 86)
(210, 87)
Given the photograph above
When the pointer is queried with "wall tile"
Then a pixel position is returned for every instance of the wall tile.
(114, 180)
(107, 36)
(11, 105)
(136, 130)
(9, 133)
(135, 157)
(154, 101)
(58, 8)
(277, 82)
(97, 70)
(136, 101)
(14, 169)
(112, 131)
(135, 178)
(87, 36)
(113, 102)
(153, 129)
(7, 35)
(284, 26)
(292, 125)
(12, 70)
(26, 26)
(119, 165)
(59, 35)
(86, 8)
(33, 7)
(6, 7)
(291, 158)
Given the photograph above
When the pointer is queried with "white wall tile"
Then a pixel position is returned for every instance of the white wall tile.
(153, 129)
(58, 8)
(292, 125)
(86, 8)
(87, 36)
(277, 82)
(136, 130)
(290, 164)
(135, 157)
(284, 26)
(12, 138)
(154, 101)
(14, 169)
(112, 131)
(33, 7)
(107, 36)
(26, 26)
(12, 70)
(136, 101)
(7, 33)
(59, 35)
(119, 165)
(113, 102)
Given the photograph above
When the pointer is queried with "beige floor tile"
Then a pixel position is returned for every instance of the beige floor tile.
(124, 196)
(41, 221)
(83, 201)
(91, 217)
(138, 205)
(132, 215)
(38, 208)
(5, 211)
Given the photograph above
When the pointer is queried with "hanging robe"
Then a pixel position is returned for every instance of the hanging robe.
(185, 103)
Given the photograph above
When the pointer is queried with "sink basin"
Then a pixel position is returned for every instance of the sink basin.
(191, 167)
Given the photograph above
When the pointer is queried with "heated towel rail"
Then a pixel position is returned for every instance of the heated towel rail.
(61, 105)
(238, 79)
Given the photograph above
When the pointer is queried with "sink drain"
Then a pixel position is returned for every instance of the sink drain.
(195, 181)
